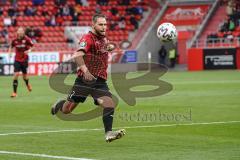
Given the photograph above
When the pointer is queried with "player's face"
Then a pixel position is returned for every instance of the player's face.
(20, 32)
(100, 26)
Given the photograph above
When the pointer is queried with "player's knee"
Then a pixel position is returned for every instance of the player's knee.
(106, 101)
(15, 78)
(25, 76)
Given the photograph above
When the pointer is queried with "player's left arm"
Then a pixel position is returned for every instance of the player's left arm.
(29, 50)
(30, 46)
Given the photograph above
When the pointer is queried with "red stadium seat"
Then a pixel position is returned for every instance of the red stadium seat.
(47, 3)
(56, 34)
(20, 3)
(44, 28)
(21, 8)
(29, 3)
(20, 18)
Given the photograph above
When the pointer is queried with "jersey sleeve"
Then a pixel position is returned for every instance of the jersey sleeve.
(29, 42)
(85, 44)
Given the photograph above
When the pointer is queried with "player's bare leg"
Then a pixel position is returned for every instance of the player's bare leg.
(64, 106)
(68, 107)
(15, 84)
(108, 111)
(108, 105)
(26, 80)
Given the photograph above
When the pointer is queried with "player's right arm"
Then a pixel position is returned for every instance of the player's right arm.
(78, 58)
(84, 47)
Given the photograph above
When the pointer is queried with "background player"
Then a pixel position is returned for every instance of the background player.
(23, 45)
(92, 59)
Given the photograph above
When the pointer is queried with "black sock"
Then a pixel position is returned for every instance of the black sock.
(60, 105)
(108, 118)
(15, 85)
(26, 81)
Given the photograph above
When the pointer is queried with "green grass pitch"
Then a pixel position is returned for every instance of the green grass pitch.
(197, 97)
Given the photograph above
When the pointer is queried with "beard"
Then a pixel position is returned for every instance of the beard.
(99, 33)
(20, 36)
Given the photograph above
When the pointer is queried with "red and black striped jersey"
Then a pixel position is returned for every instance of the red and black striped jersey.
(21, 45)
(96, 55)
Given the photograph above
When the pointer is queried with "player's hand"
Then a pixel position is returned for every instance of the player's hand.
(88, 77)
(26, 52)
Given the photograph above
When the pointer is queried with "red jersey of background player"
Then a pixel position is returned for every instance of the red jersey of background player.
(21, 45)
(96, 55)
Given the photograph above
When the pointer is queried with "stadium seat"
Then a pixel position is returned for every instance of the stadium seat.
(56, 34)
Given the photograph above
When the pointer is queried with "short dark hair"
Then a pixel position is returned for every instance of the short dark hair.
(96, 16)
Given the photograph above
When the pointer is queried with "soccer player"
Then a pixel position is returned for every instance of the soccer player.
(23, 45)
(92, 60)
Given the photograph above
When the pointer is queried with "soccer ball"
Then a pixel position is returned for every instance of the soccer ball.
(167, 32)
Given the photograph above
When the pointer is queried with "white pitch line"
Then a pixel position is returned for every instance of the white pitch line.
(128, 127)
(53, 131)
(204, 82)
(42, 155)
(186, 124)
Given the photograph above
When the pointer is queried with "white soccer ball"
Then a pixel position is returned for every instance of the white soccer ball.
(167, 32)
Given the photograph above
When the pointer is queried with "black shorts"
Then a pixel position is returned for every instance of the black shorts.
(21, 67)
(81, 90)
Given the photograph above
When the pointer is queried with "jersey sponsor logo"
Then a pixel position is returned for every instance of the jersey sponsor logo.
(21, 46)
(83, 44)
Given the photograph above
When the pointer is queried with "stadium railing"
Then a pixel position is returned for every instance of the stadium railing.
(203, 24)
(216, 43)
